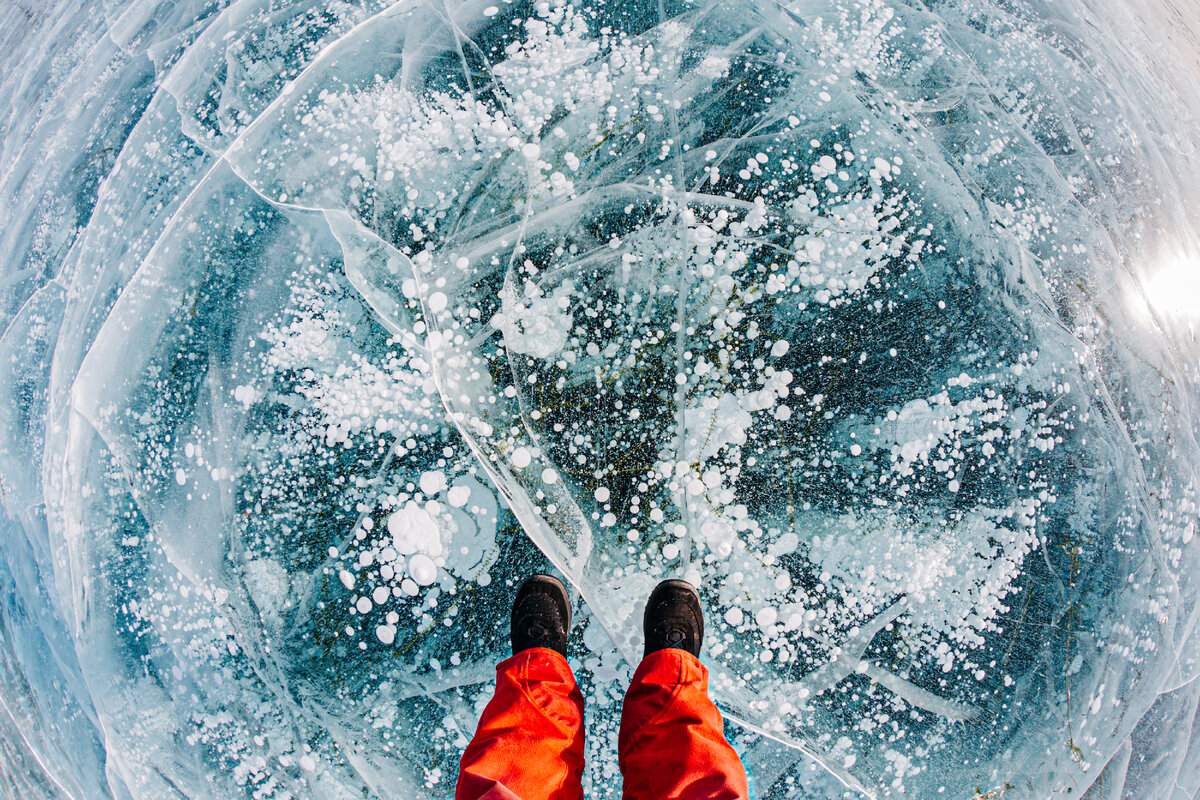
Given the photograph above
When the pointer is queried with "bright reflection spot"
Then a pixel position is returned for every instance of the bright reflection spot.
(1174, 288)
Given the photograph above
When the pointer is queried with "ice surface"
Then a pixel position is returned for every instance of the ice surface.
(324, 323)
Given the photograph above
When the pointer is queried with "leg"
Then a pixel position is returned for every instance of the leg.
(530, 737)
(671, 745)
(529, 743)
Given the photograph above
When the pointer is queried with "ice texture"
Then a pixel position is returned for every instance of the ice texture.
(326, 322)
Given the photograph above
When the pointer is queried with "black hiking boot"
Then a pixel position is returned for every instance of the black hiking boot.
(673, 618)
(541, 615)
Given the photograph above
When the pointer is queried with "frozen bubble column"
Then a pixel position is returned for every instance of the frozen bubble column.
(875, 321)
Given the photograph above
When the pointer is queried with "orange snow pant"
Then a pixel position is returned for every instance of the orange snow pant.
(529, 743)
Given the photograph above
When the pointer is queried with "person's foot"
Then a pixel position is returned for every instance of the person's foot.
(673, 618)
(541, 615)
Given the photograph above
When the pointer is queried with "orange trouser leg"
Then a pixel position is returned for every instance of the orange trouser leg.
(671, 746)
(529, 743)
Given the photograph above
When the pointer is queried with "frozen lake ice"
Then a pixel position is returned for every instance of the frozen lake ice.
(324, 323)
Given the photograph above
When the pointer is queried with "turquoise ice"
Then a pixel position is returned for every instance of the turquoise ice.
(325, 323)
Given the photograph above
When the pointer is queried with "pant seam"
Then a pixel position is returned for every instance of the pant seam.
(679, 683)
